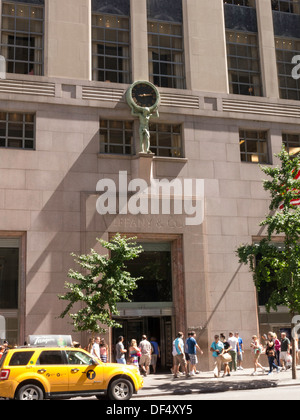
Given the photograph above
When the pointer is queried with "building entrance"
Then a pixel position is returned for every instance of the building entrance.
(154, 327)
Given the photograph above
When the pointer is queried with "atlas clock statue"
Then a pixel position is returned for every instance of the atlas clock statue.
(143, 99)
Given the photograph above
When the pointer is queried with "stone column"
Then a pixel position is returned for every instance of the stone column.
(205, 46)
(267, 49)
(139, 40)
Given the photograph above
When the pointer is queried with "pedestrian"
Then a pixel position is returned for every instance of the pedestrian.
(90, 345)
(233, 342)
(192, 352)
(179, 356)
(96, 348)
(217, 349)
(240, 351)
(155, 353)
(285, 350)
(145, 359)
(257, 351)
(103, 351)
(76, 345)
(120, 351)
(270, 352)
(225, 359)
(134, 354)
(1, 351)
(277, 346)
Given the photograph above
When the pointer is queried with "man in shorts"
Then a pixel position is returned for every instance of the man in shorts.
(145, 358)
(192, 352)
(285, 350)
(179, 356)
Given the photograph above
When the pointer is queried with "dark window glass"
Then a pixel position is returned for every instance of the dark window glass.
(115, 7)
(286, 49)
(21, 358)
(51, 358)
(9, 278)
(155, 266)
(165, 10)
(116, 137)
(286, 6)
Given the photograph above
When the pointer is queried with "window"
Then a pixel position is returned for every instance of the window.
(292, 143)
(286, 49)
(165, 43)
(78, 358)
(50, 357)
(17, 130)
(246, 3)
(21, 358)
(286, 6)
(243, 63)
(111, 42)
(22, 36)
(155, 266)
(254, 146)
(116, 137)
(165, 140)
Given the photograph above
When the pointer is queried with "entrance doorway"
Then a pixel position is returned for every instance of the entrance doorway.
(154, 327)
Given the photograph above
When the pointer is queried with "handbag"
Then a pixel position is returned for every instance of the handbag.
(226, 358)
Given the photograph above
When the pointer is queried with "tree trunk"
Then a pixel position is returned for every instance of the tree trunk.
(294, 349)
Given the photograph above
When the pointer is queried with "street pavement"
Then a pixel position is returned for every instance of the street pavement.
(160, 385)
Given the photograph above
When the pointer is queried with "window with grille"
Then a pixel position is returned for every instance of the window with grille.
(22, 36)
(254, 146)
(243, 63)
(292, 143)
(111, 41)
(286, 49)
(286, 6)
(166, 140)
(165, 43)
(17, 130)
(116, 137)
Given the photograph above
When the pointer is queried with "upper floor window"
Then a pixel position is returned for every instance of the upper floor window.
(286, 6)
(243, 63)
(22, 36)
(17, 130)
(111, 41)
(116, 137)
(286, 49)
(292, 143)
(165, 43)
(166, 140)
(254, 146)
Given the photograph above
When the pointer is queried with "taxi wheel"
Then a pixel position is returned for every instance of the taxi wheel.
(30, 392)
(120, 389)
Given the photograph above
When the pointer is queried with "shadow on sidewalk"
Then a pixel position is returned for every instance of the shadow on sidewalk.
(186, 387)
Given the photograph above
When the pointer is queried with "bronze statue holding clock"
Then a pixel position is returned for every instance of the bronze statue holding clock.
(143, 99)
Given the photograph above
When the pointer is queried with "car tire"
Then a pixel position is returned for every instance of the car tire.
(120, 390)
(30, 392)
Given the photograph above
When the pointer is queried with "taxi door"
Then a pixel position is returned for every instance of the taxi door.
(83, 376)
(51, 366)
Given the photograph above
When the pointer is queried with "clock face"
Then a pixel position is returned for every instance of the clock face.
(144, 95)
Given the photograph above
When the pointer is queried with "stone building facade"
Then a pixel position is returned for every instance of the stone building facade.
(228, 101)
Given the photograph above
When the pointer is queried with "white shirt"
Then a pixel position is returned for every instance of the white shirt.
(96, 350)
(233, 341)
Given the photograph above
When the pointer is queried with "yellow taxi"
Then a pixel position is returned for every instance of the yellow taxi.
(28, 373)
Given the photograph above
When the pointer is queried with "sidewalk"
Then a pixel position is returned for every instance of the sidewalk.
(205, 383)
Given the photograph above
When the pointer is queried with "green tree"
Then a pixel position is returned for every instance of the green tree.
(101, 283)
(269, 263)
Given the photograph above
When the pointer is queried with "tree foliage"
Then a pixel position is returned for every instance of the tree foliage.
(269, 262)
(100, 285)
